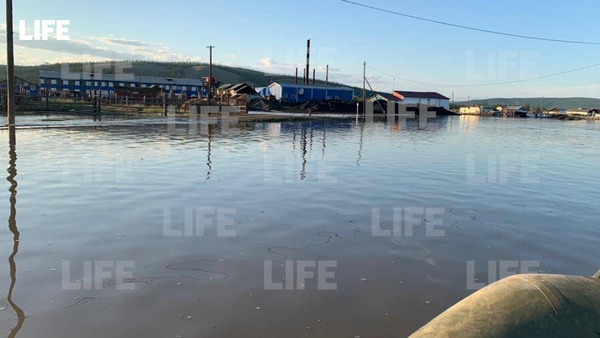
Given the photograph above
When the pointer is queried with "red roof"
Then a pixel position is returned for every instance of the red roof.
(419, 95)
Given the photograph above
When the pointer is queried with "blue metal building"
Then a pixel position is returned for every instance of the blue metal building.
(300, 93)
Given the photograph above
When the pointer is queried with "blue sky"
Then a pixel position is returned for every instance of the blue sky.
(271, 35)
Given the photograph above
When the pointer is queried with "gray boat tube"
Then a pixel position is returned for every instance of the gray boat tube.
(524, 306)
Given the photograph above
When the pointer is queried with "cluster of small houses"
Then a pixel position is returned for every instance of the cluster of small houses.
(136, 87)
(520, 111)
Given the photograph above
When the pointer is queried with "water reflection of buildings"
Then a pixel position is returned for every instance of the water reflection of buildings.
(12, 226)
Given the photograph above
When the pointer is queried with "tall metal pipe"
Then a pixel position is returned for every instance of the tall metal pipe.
(305, 80)
(307, 77)
(314, 75)
(296, 82)
(327, 76)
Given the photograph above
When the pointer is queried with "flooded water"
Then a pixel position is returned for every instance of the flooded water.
(140, 228)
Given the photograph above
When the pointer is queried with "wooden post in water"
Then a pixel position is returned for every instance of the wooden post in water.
(10, 66)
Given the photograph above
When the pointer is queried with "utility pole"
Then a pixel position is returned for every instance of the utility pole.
(542, 108)
(210, 75)
(364, 98)
(307, 75)
(10, 66)
(46, 89)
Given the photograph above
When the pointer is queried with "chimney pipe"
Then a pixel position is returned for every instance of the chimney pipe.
(304, 80)
(296, 76)
(307, 77)
(314, 75)
(327, 76)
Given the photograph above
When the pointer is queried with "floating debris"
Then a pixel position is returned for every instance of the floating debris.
(189, 317)
(427, 302)
(258, 307)
(364, 279)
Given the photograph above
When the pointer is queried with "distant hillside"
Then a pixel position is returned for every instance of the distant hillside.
(549, 102)
(177, 69)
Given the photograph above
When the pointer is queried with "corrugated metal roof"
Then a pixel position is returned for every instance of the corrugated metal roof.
(293, 85)
(53, 74)
(420, 95)
(225, 86)
(388, 97)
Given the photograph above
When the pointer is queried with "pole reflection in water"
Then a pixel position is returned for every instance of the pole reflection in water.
(12, 226)
(208, 160)
(324, 139)
(360, 145)
(303, 145)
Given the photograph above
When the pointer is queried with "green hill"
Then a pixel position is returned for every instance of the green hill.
(533, 102)
(176, 69)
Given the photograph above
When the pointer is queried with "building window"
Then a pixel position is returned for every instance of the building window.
(95, 83)
(103, 84)
(77, 83)
(193, 89)
(122, 84)
(53, 81)
(132, 85)
(167, 87)
(144, 85)
(66, 82)
(111, 84)
(183, 88)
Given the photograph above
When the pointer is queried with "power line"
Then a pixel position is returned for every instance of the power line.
(487, 84)
(469, 28)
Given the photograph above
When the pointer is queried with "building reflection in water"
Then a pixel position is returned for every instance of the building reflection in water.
(12, 226)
